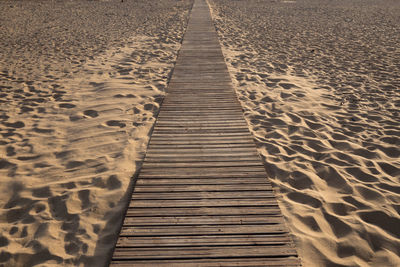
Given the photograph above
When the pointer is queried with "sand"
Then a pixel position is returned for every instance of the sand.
(319, 82)
(80, 84)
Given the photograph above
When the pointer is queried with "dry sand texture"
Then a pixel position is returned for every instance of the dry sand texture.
(320, 85)
(80, 84)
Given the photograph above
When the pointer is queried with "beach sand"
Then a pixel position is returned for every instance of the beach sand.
(319, 82)
(80, 85)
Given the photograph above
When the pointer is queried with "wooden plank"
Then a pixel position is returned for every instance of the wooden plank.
(202, 115)
(206, 164)
(192, 85)
(205, 111)
(199, 152)
(200, 95)
(213, 74)
(208, 117)
(203, 252)
(236, 147)
(202, 143)
(200, 146)
(202, 203)
(186, 69)
(209, 80)
(210, 170)
(221, 262)
(204, 195)
(215, 128)
(200, 91)
(199, 173)
(209, 240)
(183, 130)
(163, 159)
(201, 220)
(204, 135)
(200, 53)
(202, 149)
(205, 175)
(187, 181)
(205, 211)
(191, 109)
(222, 107)
(204, 187)
(209, 106)
(199, 181)
(201, 138)
(200, 128)
(210, 99)
(179, 230)
(202, 155)
(213, 100)
(209, 96)
(210, 136)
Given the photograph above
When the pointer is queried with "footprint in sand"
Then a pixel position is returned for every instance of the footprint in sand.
(284, 95)
(287, 86)
(116, 123)
(66, 105)
(74, 164)
(18, 124)
(91, 113)
(10, 151)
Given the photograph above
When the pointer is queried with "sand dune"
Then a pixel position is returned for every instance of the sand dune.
(319, 84)
(80, 85)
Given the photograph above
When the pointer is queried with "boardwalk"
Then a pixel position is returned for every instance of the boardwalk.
(202, 197)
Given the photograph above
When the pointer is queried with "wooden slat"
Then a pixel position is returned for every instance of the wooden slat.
(184, 122)
(202, 154)
(188, 141)
(155, 165)
(191, 160)
(206, 187)
(233, 149)
(187, 181)
(203, 174)
(205, 211)
(172, 171)
(209, 240)
(202, 197)
(195, 135)
(201, 220)
(164, 139)
(202, 203)
(203, 148)
(179, 230)
(222, 262)
(203, 252)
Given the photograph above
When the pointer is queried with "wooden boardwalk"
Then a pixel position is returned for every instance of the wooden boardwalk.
(202, 197)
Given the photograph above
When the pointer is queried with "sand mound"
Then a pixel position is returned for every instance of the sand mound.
(319, 83)
(80, 85)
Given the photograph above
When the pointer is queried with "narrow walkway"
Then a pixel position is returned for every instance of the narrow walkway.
(202, 197)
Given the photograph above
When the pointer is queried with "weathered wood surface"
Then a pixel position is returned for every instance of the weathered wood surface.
(202, 197)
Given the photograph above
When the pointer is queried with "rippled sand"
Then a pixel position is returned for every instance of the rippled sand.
(320, 85)
(80, 84)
